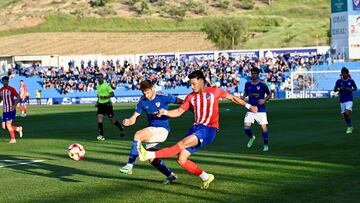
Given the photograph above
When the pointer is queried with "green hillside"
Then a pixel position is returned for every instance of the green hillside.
(285, 23)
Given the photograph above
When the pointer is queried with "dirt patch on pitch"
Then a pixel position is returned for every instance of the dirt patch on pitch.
(103, 43)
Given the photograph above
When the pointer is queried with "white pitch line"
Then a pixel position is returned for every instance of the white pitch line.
(21, 163)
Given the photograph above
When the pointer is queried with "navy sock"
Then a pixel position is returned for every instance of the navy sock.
(133, 153)
(161, 166)
(265, 137)
(348, 122)
(248, 132)
(101, 128)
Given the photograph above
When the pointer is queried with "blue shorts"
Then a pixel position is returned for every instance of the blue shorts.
(204, 134)
(23, 101)
(8, 116)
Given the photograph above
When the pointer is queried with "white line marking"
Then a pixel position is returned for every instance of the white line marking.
(20, 162)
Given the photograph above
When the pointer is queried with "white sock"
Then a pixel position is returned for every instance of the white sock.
(150, 155)
(204, 176)
(130, 165)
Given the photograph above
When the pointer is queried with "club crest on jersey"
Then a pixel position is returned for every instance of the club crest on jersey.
(349, 83)
(258, 87)
(146, 107)
(157, 104)
(207, 96)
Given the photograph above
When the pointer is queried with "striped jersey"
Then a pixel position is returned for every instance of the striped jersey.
(206, 106)
(7, 94)
(23, 91)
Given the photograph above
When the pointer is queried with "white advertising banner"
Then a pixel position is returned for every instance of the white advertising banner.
(345, 28)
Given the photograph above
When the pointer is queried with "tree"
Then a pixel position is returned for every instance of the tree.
(97, 3)
(226, 33)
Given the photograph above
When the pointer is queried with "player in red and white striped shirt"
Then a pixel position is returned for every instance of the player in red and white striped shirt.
(7, 94)
(205, 101)
(24, 94)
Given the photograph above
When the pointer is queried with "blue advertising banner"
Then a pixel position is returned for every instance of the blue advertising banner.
(236, 55)
(168, 57)
(293, 52)
(197, 57)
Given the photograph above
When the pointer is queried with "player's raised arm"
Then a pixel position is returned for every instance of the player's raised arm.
(171, 113)
(131, 120)
(239, 101)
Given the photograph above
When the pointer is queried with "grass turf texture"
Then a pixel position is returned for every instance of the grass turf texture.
(310, 158)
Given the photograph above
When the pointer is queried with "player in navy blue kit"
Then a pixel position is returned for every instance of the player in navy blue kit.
(151, 102)
(346, 86)
(256, 91)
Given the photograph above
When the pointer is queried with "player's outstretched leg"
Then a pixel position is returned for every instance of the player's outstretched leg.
(142, 153)
(161, 166)
(206, 183)
(191, 167)
(348, 121)
(25, 110)
(162, 153)
(169, 179)
(11, 133)
(249, 133)
(18, 129)
(127, 169)
(265, 135)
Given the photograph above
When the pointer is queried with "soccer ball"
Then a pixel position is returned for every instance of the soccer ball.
(76, 152)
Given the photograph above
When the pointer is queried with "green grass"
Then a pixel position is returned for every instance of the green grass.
(310, 158)
(285, 23)
(4, 3)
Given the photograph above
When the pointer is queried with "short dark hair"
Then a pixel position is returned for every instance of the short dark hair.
(256, 70)
(145, 84)
(345, 70)
(198, 74)
(5, 78)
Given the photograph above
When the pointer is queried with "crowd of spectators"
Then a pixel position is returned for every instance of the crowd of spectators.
(168, 73)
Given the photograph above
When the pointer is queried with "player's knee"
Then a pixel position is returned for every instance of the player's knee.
(138, 136)
(181, 161)
(9, 128)
(264, 128)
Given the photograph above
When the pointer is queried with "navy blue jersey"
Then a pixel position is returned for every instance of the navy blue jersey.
(151, 107)
(256, 91)
(345, 95)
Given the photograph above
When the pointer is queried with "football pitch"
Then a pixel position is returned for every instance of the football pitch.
(311, 159)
